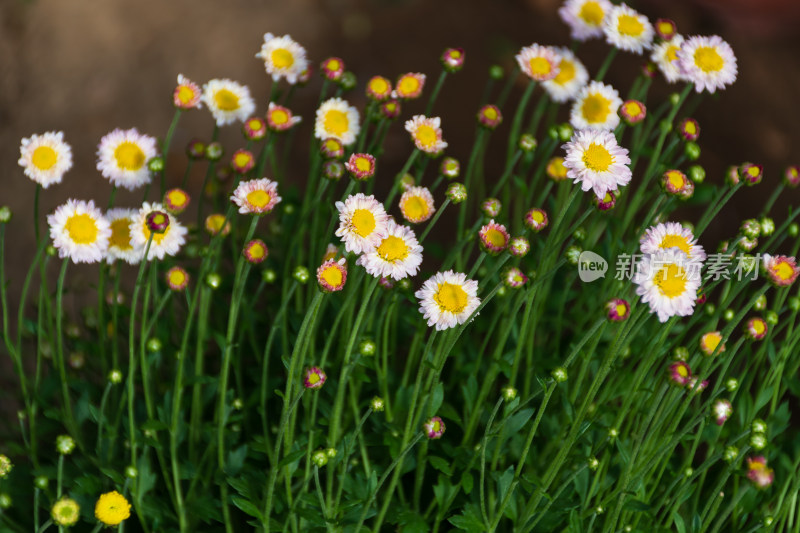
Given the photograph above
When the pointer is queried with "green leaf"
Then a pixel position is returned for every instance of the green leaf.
(468, 520)
(438, 397)
(247, 506)
(467, 482)
(236, 459)
(504, 483)
(440, 464)
(680, 526)
(636, 506)
(292, 457)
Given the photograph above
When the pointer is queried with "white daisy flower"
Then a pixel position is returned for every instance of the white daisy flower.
(448, 299)
(122, 157)
(45, 158)
(79, 231)
(627, 29)
(540, 63)
(228, 101)
(283, 58)
(571, 78)
(672, 235)
(397, 255)
(426, 133)
(337, 119)
(167, 243)
(596, 107)
(362, 223)
(120, 245)
(584, 17)
(416, 204)
(597, 162)
(665, 55)
(668, 281)
(257, 197)
(708, 62)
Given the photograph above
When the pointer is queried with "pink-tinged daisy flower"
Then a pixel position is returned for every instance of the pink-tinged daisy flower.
(627, 29)
(695, 385)
(314, 378)
(332, 275)
(332, 68)
(362, 223)
(519, 246)
(450, 168)
(391, 109)
(177, 279)
(632, 111)
(361, 166)
(337, 119)
(453, 59)
(283, 58)
(711, 342)
(585, 17)
(732, 175)
(680, 373)
(379, 88)
(668, 235)
(493, 237)
(217, 224)
(280, 118)
(489, 116)
(491, 207)
(607, 202)
(751, 173)
(722, 411)
(228, 101)
(782, 270)
(791, 176)
(409, 86)
(426, 133)
(176, 201)
(759, 473)
(398, 254)
(513, 278)
(596, 107)
(689, 129)
(448, 299)
(416, 205)
(539, 63)
(666, 29)
(556, 170)
(256, 197)
(332, 148)
(196, 149)
(122, 158)
(708, 62)
(79, 231)
(242, 161)
(665, 56)
(45, 158)
(187, 94)
(571, 78)
(668, 281)
(618, 309)
(255, 251)
(675, 182)
(434, 428)
(167, 242)
(597, 162)
(119, 243)
(254, 128)
(536, 219)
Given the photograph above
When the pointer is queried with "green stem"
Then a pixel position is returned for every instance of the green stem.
(435, 93)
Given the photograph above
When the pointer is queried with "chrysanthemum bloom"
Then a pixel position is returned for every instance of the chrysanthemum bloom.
(556, 170)
(167, 243)
(254, 128)
(196, 149)
(710, 341)
(539, 63)
(112, 508)
(332, 275)
(627, 29)
(398, 254)
(416, 205)
(453, 59)
(391, 109)
(791, 176)
(255, 251)
(672, 235)
(119, 241)
(434, 428)
(456, 192)
(536, 219)
(187, 94)
(409, 86)
(665, 56)
(379, 88)
(722, 411)
(751, 173)
(782, 270)
(596, 107)
(314, 378)
(177, 279)
(759, 473)
(674, 182)
(597, 162)
(667, 281)
(337, 119)
(519, 246)
(65, 512)
(122, 157)
(680, 373)
(242, 161)
(448, 299)
(618, 309)
(256, 197)
(666, 29)
(491, 207)
(571, 78)
(708, 62)
(280, 118)
(361, 166)
(331, 148)
(217, 224)
(332, 68)
(426, 133)
(607, 202)
(45, 158)
(450, 168)
(514, 278)
(283, 58)
(79, 231)
(489, 116)
(362, 223)
(228, 101)
(176, 201)
(584, 17)
(689, 129)
(493, 237)
(632, 111)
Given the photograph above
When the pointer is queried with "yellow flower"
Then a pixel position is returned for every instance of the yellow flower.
(112, 508)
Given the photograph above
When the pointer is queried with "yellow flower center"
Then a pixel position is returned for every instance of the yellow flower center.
(676, 241)
(455, 54)
(537, 217)
(256, 251)
(254, 124)
(408, 85)
(711, 341)
(241, 160)
(279, 117)
(379, 86)
(82, 229)
(363, 164)
(44, 158)
(596, 108)
(363, 222)
(592, 13)
(177, 277)
(783, 270)
(332, 145)
(226, 100)
(333, 64)
(490, 113)
(630, 25)
(258, 198)
(393, 249)
(675, 179)
(682, 371)
(670, 280)
(758, 327)
(332, 276)
(157, 237)
(597, 158)
(556, 168)
(753, 171)
(633, 109)
(425, 135)
(215, 223)
(129, 156)
(672, 53)
(690, 128)
(282, 58)
(665, 28)
(176, 198)
(415, 208)
(708, 59)
(566, 72)
(540, 66)
(336, 122)
(185, 94)
(451, 297)
(121, 234)
(621, 309)
(313, 378)
(495, 237)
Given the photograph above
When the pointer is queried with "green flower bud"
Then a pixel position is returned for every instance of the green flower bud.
(131, 472)
(509, 393)
(41, 482)
(213, 280)
(320, 458)
(496, 72)
(154, 345)
(156, 164)
(367, 347)
(559, 374)
(269, 275)
(697, 173)
(692, 150)
(65, 444)
(5, 214)
(771, 317)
